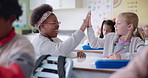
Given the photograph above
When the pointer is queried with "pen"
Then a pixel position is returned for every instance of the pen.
(117, 51)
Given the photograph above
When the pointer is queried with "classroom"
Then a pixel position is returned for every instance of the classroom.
(73, 39)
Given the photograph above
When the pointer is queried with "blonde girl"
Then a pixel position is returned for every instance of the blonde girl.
(126, 24)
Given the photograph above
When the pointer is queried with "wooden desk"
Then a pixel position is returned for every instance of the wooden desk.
(93, 51)
(87, 69)
(79, 48)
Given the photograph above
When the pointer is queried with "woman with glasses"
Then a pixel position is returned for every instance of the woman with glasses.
(46, 42)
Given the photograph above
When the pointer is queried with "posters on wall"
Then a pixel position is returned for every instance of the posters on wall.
(101, 10)
(22, 19)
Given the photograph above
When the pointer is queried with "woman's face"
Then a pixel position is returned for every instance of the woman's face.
(51, 26)
(121, 26)
(106, 29)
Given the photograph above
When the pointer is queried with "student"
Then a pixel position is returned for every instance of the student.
(145, 32)
(46, 42)
(126, 24)
(107, 27)
(137, 68)
(16, 52)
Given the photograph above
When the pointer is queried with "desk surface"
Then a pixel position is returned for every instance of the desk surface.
(88, 64)
(79, 48)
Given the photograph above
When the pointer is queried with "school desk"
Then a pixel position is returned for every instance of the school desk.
(93, 51)
(87, 69)
(79, 48)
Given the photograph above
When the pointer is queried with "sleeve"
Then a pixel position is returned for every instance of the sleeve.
(25, 63)
(62, 48)
(94, 42)
(140, 45)
(12, 71)
(137, 68)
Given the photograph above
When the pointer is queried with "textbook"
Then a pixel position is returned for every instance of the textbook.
(87, 47)
(114, 64)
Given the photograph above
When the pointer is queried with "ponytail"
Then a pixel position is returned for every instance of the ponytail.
(138, 33)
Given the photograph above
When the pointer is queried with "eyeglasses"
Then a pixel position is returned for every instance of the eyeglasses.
(55, 23)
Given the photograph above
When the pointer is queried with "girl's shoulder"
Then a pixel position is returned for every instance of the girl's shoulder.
(137, 39)
(111, 35)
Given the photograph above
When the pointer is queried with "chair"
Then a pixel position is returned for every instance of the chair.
(49, 66)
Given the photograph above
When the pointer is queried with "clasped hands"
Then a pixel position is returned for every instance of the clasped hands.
(86, 22)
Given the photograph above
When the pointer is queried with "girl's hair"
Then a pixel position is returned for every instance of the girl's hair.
(9, 8)
(38, 13)
(110, 23)
(132, 18)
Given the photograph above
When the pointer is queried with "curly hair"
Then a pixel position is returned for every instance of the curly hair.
(9, 8)
(38, 12)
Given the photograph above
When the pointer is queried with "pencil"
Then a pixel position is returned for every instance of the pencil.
(117, 51)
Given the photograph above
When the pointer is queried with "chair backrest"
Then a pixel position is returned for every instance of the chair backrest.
(49, 66)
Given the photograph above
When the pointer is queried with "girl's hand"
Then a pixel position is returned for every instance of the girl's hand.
(86, 22)
(115, 56)
(81, 55)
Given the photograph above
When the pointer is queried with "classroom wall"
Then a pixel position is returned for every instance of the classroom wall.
(140, 7)
(72, 18)
(19, 29)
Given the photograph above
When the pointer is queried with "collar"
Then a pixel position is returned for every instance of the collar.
(8, 37)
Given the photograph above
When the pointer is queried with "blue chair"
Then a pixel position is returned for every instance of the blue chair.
(52, 67)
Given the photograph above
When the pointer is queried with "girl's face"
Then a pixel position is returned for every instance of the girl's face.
(51, 26)
(106, 29)
(121, 26)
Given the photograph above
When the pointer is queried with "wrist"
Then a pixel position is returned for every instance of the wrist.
(82, 29)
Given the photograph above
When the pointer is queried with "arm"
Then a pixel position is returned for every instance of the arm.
(94, 42)
(137, 68)
(20, 66)
(12, 71)
(62, 48)
(68, 45)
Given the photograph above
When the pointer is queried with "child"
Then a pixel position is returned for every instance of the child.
(126, 24)
(16, 52)
(107, 27)
(145, 31)
(137, 68)
(46, 42)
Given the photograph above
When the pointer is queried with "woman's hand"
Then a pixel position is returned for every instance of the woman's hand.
(86, 22)
(115, 56)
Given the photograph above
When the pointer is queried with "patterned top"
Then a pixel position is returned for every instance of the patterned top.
(120, 46)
